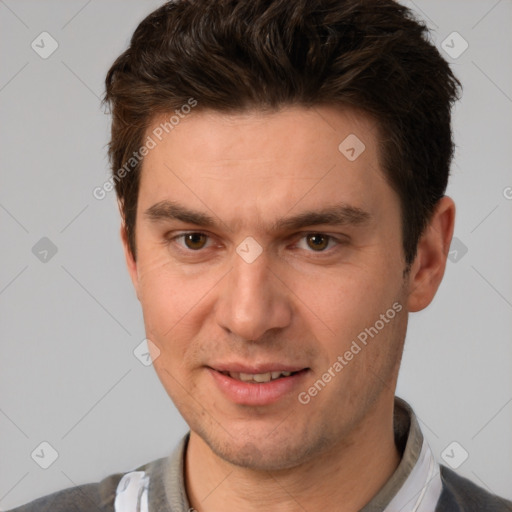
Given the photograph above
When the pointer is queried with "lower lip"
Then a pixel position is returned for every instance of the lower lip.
(265, 393)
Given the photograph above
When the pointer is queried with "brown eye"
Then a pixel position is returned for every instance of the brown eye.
(195, 241)
(317, 241)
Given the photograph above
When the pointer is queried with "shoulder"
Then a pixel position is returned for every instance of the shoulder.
(92, 496)
(99, 496)
(462, 495)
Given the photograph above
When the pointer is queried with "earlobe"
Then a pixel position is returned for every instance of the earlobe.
(131, 264)
(429, 265)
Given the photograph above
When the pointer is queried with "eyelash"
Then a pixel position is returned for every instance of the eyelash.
(173, 239)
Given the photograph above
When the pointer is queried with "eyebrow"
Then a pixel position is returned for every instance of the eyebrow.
(337, 215)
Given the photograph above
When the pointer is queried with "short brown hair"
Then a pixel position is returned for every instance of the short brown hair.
(237, 55)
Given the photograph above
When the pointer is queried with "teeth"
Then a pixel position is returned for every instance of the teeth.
(258, 377)
(261, 377)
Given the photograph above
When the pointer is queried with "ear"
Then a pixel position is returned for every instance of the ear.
(131, 264)
(429, 265)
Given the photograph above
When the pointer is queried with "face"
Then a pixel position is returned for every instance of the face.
(263, 248)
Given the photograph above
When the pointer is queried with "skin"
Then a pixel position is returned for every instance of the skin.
(294, 304)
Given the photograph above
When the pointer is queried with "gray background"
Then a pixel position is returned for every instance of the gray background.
(70, 321)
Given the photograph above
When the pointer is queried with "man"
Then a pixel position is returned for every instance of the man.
(280, 169)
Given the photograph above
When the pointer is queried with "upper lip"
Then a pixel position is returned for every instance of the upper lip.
(256, 368)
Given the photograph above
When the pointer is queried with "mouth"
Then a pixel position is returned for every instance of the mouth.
(260, 378)
(258, 386)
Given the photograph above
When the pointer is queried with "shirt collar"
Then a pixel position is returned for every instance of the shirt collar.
(415, 486)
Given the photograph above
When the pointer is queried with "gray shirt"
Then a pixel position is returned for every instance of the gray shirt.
(418, 484)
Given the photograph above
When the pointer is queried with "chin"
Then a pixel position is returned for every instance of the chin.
(260, 451)
(255, 456)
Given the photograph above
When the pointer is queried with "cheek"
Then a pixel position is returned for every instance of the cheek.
(344, 311)
(174, 303)
(157, 295)
(344, 299)
(162, 297)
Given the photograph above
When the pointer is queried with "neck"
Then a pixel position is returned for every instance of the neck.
(345, 478)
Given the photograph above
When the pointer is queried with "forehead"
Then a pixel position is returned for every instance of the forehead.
(213, 135)
(259, 163)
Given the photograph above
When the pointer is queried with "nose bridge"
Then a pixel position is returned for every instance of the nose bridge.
(252, 299)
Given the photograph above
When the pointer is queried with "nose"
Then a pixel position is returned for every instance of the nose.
(253, 299)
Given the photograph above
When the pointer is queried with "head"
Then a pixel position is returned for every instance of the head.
(280, 169)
